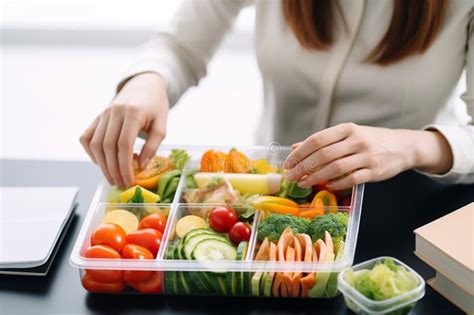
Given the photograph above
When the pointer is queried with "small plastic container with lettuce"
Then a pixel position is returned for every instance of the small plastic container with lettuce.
(382, 285)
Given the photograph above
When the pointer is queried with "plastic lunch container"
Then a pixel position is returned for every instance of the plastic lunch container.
(177, 276)
(360, 304)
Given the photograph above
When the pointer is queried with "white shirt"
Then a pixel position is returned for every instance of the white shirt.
(308, 90)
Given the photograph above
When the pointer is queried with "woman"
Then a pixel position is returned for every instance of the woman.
(354, 85)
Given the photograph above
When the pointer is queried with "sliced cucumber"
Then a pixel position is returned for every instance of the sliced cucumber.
(210, 278)
(231, 283)
(204, 286)
(222, 284)
(256, 279)
(210, 249)
(243, 282)
(185, 288)
(170, 277)
(191, 242)
(246, 283)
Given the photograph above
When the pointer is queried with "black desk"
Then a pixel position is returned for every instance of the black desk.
(391, 211)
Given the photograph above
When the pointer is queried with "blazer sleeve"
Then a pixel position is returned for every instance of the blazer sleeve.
(180, 55)
(460, 136)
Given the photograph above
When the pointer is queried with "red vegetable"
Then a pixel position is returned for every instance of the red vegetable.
(222, 219)
(92, 285)
(102, 251)
(155, 221)
(148, 238)
(150, 285)
(110, 235)
(240, 232)
(132, 251)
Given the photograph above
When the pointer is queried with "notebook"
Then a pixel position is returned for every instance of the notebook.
(32, 222)
(452, 293)
(447, 245)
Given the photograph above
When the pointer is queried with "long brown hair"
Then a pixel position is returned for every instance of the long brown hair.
(413, 27)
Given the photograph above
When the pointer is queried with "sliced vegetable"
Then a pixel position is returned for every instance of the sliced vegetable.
(189, 223)
(138, 194)
(149, 176)
(214, 249)
(328, 198)
(266, 184)
(123, 218)
(239, 161)
(165, 181)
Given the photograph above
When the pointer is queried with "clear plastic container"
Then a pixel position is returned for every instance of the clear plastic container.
(360, 304)
(233, 277)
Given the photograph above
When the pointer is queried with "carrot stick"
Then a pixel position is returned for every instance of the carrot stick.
(288, 276)
(264, 250)
(307, 283)
(295, 291)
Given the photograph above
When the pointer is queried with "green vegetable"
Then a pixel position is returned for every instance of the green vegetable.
(189, 181)
(171, 188)
(248, 215)
(273, 226)
(137, 196)
(384, 281)
(334, 223)
(179, 158)
(139, 212)
(165, 180)
(296, 192)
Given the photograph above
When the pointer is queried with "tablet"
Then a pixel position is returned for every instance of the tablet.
(32, 220)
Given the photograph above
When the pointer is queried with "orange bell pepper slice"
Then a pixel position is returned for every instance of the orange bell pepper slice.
(327, 197)
(208, 161)
(317, 209)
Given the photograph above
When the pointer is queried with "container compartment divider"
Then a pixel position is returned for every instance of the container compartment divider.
(253, 236)
(170, 221)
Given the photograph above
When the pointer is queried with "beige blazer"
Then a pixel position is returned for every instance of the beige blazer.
(306, 91)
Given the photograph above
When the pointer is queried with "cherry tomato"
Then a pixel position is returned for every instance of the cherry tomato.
(222, 219)
(155, 221)
(148, 238)
(102, 251)
(240, 232)
(150, 285)
(109, 234)
(92, 285)
(132, 251)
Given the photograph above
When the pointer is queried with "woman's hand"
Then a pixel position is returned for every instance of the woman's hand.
(348, 154)
(142, 104)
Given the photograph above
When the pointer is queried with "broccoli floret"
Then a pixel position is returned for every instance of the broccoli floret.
(273, 226)
(334, 223)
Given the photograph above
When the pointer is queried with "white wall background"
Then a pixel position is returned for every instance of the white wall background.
(61, 59)
(50, 92)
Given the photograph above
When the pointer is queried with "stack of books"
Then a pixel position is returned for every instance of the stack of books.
(447, 245)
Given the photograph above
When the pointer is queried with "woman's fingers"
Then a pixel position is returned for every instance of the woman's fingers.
(132, 125)
(318, 141)
(156, 134)
(357, 177)
(321, 157)
(335, 169)
(110, 144)
(97, 146)
(86, 138)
